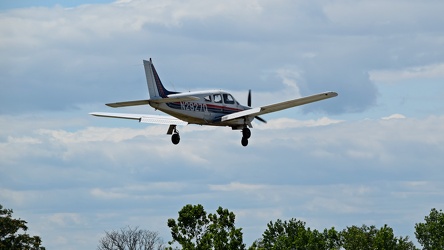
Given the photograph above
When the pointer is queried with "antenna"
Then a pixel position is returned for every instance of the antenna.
(174, 87)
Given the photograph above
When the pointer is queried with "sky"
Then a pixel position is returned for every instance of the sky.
(373, 155)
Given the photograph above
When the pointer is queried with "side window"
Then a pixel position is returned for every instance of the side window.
(217, 98)
(228, 99)
(207, 98)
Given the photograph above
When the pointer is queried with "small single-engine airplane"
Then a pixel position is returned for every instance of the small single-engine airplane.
(213, 107)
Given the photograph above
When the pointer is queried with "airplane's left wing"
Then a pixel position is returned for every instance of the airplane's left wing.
(156, 119)
(279, 106)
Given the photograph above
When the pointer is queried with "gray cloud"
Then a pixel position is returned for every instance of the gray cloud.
(103, 178)
(55, 58)
(72, 176)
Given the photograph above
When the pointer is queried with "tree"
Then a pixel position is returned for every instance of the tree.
(358, 237)
(431, 233)
(194, 229)
(294, 235)
(223, 232)
(371, 238)
(131, 239)
(10, 238)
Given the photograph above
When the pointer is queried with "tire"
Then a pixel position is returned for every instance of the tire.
(246, 133)
(175, 139)
(244, 141)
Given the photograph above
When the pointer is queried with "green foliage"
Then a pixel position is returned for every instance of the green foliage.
(195, 230)
(10, 238)
(189, 229)
(358, 237)
(370, 238)
(332, 238)
(431, 233)
(223, 232)
(294, 235)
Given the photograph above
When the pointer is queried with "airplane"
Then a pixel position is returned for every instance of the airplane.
(211, 107)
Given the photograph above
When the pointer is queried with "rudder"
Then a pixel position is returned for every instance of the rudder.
(155, 86)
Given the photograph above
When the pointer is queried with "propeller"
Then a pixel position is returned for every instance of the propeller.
(249, 105)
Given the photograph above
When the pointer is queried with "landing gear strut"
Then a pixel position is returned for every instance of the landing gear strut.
(175, 138)
(246, 134)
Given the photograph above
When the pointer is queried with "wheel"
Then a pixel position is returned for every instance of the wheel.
(175, 139)
(244, 141)
(246, 133)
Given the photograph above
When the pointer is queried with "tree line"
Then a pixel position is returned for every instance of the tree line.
(195, 229)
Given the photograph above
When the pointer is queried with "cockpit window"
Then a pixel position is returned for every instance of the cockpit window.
(217, 98)
(228, 99)
(207, 98)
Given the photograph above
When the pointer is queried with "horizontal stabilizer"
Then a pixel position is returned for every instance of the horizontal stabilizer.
(156, 119)
(170, 98)
(126, 104)
(279, 106)
(175, 98)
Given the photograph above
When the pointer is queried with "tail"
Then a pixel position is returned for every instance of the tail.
(155, 86)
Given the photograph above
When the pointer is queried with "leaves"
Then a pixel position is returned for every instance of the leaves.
(10, 238)
(195, 229)
(431, 233)
(294, 235)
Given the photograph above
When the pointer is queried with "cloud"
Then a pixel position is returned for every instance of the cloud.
(282, 123)
(56, 58)
(394, 116)
(72, 176)
(324, 171)
(398, 76)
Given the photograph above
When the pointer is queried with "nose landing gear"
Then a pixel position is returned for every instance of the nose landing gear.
(246, 134)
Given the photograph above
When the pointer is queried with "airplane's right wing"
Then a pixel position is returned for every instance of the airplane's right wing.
(156, 119)
(279, 106)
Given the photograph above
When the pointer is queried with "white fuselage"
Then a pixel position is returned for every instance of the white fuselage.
(207, 110)
(214, 108)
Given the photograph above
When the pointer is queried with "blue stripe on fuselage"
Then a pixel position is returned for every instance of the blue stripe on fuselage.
(221, 110)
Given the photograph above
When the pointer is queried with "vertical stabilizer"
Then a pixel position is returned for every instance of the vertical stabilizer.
(155, 86)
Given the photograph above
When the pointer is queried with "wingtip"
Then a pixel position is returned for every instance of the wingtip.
(112, 105)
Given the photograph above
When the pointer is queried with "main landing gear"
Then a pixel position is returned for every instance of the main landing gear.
(175, 138)
(246, 134)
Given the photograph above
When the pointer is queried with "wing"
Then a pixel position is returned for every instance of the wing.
(183, 97)
(279, 106)
(156, 119)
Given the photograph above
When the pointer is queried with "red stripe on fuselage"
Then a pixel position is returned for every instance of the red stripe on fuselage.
(224, 107)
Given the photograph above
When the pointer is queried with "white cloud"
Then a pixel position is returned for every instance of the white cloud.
(285, 123)
(394, 116)
(65, 219)
(71, 178)
(397, 76)
(237, 187)
(108, 182)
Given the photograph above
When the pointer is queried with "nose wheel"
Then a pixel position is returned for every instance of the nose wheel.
(246, 134)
